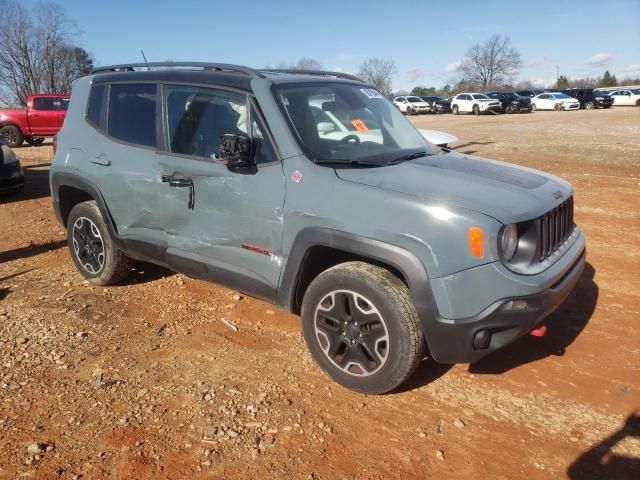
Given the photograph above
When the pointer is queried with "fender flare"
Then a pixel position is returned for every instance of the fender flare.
(402, 260)
(62, 179)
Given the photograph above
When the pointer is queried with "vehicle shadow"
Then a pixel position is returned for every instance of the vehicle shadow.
(601, 463)
(428, 371)
(564, 326)
(31, 250)
(142, 272)
(36, 185)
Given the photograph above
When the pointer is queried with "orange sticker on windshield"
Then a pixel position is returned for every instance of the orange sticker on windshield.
(359, 125)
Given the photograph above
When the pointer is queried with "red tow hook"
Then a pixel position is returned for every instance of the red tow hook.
(539, 332)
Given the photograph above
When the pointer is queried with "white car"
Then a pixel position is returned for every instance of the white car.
(554, 101)
(440, 139)
(475, 103)
(410, 105)
(626, 97)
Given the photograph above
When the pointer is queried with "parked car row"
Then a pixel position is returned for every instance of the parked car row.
(521, 101)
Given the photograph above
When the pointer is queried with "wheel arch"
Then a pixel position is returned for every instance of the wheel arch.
(317, 249)
(69, 190)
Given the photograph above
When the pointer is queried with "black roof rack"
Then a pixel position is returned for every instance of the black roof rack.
(221, 67)
(321, 73)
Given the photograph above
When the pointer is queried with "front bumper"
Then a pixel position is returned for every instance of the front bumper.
(469, 339)
(11, 177)
(490, 107)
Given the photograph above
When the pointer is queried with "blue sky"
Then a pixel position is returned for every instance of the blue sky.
(424, 38)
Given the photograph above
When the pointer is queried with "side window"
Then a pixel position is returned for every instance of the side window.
(43, 103)
(196, 117)
(96, 105)
(132, 113)
(62, 104)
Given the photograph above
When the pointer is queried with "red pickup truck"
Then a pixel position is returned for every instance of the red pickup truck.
(42, 117)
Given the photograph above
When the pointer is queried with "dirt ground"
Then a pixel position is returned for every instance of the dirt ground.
(146, 380)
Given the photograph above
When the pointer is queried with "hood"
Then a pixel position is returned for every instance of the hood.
(508, 193)
(12, 113)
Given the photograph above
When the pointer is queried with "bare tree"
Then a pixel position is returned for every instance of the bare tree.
(304, 63)
(378, 72)
(491, 63)
(37, 52)
(308, 64)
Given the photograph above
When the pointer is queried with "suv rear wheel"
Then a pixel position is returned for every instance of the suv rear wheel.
(361, 327)
(92, 248)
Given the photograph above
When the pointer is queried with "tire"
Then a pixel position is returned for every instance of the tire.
(374, 357)
(455, 110)
(12, 136)
(35, 141)
(589, 106)
(476, 110)
(533, 107)
(91, 247)
(508, 109)
(409, 111)
(637, 103)
(557, 107)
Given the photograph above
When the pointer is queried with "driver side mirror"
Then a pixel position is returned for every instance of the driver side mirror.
(235, 152)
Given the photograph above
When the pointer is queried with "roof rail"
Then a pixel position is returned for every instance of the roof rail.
(221, 67)
(320, 73)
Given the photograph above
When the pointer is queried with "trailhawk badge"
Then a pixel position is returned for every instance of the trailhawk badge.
(296, 176)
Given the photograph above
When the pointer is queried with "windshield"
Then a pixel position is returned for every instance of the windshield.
(561, 96)
(414, 99)
(480, 96)
(346, 123)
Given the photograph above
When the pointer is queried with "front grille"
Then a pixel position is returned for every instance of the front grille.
(554, 228)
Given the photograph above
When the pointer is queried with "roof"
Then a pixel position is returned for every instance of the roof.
(219, 73)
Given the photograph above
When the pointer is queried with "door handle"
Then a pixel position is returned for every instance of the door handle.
(181, 182)
(101, 159)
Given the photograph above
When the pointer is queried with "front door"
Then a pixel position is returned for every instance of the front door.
(220, 225)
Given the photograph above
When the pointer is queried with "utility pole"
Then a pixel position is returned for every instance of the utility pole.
(557, 75)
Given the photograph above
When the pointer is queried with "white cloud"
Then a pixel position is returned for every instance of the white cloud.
(452, 67)
(415, 74)
(599, 59)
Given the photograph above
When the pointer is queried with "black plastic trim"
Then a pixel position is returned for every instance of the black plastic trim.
(404, 261)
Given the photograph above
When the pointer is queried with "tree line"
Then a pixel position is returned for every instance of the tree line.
(38, 52)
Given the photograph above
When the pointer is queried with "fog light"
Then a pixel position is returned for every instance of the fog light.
(515, 305)
(482, 340)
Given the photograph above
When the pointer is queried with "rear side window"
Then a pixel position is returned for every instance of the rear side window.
(96, 105)
(44, 103)
(132, 113)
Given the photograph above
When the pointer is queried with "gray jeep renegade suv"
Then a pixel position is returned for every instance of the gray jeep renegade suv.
(310, 190)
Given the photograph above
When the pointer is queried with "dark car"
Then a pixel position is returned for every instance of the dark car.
(511, 102)
(438, 104)
(528, 93)
(589, 99)
(11, 173)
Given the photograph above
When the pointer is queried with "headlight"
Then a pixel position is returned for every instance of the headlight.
(599, 98)
(508, 241)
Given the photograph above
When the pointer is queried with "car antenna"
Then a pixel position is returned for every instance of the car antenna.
(145, 59)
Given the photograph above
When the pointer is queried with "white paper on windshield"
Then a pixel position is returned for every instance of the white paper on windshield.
(371, 93)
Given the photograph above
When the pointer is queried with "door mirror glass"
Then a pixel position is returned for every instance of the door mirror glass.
(234, 151)
(325, 127)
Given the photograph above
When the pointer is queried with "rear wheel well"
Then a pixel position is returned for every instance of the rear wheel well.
(69, 197)
(320, 258)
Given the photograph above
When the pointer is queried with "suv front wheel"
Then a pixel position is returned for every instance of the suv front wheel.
(361, 327)
(92, 248)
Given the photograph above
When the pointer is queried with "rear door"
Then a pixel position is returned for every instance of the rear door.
(221, 225)
(122, 161)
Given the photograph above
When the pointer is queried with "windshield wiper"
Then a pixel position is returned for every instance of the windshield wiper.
(346, 161)
(411, 156)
